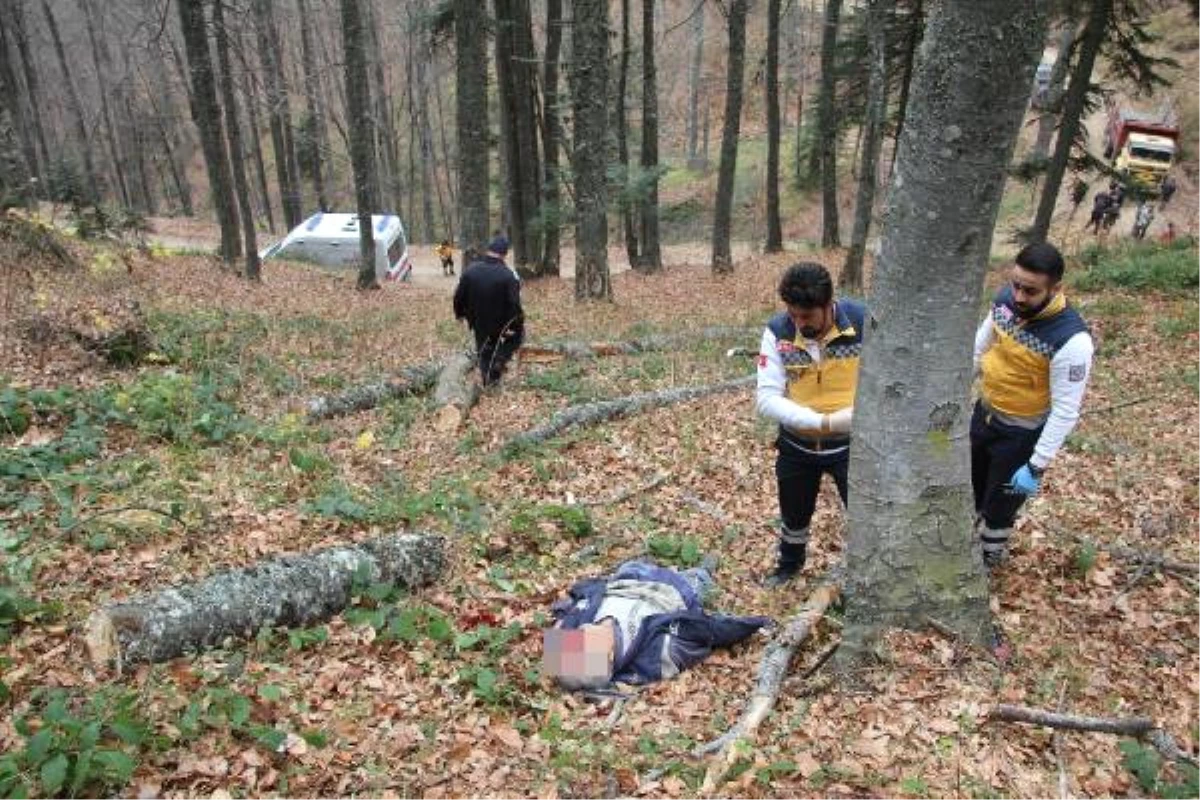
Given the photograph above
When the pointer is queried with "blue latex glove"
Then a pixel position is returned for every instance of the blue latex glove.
(1025, 482)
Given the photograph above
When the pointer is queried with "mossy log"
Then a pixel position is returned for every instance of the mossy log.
(287, 591)
(604, 410)
(456, 393)
(413, 380)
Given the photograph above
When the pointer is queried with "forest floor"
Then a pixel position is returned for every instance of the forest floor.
(210, 429)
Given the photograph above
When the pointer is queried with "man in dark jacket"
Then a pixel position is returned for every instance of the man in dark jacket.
(642, 624)
(488, 297)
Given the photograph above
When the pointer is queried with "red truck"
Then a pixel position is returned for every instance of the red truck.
(1141, 146)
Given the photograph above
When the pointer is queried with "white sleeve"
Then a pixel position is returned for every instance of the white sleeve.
(1070, 370)
(983, 339)
(770, 399)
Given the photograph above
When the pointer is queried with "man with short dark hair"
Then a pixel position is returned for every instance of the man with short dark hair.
(807, 376)
(1033, 354)
(488, 297)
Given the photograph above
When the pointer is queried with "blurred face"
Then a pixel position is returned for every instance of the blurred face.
(580, 657)
(812, 323)
(1031, 290)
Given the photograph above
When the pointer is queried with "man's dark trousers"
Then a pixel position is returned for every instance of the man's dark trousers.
(494, 354)
(997, 451)
(798, 475)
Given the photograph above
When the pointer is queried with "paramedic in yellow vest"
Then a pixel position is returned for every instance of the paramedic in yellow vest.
(1033, 354)
(807, 374)
(445, 252)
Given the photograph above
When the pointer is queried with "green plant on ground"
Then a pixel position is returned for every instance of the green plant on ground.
(535, 521)
(1147, 766)
(681, 550)
(1170, 269)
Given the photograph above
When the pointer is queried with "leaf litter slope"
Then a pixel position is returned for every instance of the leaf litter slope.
(441, 696)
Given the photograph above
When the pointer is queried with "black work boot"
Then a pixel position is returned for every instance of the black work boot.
(791, 561)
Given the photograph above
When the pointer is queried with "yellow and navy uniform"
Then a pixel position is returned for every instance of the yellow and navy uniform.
(827, 384)
(1015, 370)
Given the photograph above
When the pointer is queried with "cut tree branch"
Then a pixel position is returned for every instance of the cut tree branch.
(456, 393)
(554, 351)
(289, 591)
(605, 410)
(771, 673)
(1138, 727)
(414, 380)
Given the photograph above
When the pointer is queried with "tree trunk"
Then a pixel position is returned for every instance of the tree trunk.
(1073, 106)
(774, 225)
(456, 393)
(516, 75)
(313, 99)
(411, 381)
(430, 165)
(234, 131)
(470, 38)
(651, 255)
(695, 67)
(722, 259)
(32, 83)
(289, 591)
(916, 26)
(260, 167)
(629, 201)
(206, 113)
(589, 89)
(388, 153)
(279, 113)
(76, 108)
(362, 151)
(10, 101)
(103, 66)
(551, 138)
(911, 554)
(801, 85)
(828, 131)
(879, 21)
(1051, 104)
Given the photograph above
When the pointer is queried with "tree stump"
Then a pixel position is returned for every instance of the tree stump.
(289, 591)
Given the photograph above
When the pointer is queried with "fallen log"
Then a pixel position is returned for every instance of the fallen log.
(456, 393)
(289, 591)
(1137, 727)
(556, 351)
(771, 671)
(604, 410)
(414, 380)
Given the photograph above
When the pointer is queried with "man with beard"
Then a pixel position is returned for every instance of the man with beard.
(807, 376)
(1033, 354)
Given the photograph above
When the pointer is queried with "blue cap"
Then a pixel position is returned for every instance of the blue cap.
(498, 245)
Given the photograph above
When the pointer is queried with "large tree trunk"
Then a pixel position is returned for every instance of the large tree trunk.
(387, 158)
(1068, 129)
(206, 113)
(470, 47)
(828, 131)
(516, 74)
(362, 152)
(260, 166)
(695, 70)
(589, 88)
(456, 393)
(103, 67)
(279, 112)
(771, 85)
(290, 591)
(879, 20)
(651, 256)
(629, 201)
(10, 101)
(76, 108)
(32, 82)
(910, 550)
(315, 101)
(551, 138)
(410, 381)
(722, 258)
(233, 129)
(916, 26)
(1050, 104)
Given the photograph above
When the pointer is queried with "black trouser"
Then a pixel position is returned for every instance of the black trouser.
(495, 351)
(447, 266)
(997, 451)
(798, 477)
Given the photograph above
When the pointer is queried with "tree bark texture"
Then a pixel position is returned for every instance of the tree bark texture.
(551, 139)
(915, 27)
(287, 591)
(103, 66)
(1099, 16)
(279, 113)
(911, 552)
(411, 381)
(260, 167)
(695, 71)
(73, 103)
(385, 178)
(722, 258)
(206, 113)
(772, 671)
(628, 198)
(589, 65)
(233, 129)
(470, 40)
(314, 99)
(362, 153)
(771, 85)
(10, 103)
(1050, 104)
(605, 410)
(828, 131)
(516, 74)
(456, 393)
(879, 20)
(32, 82)
(650, 258)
